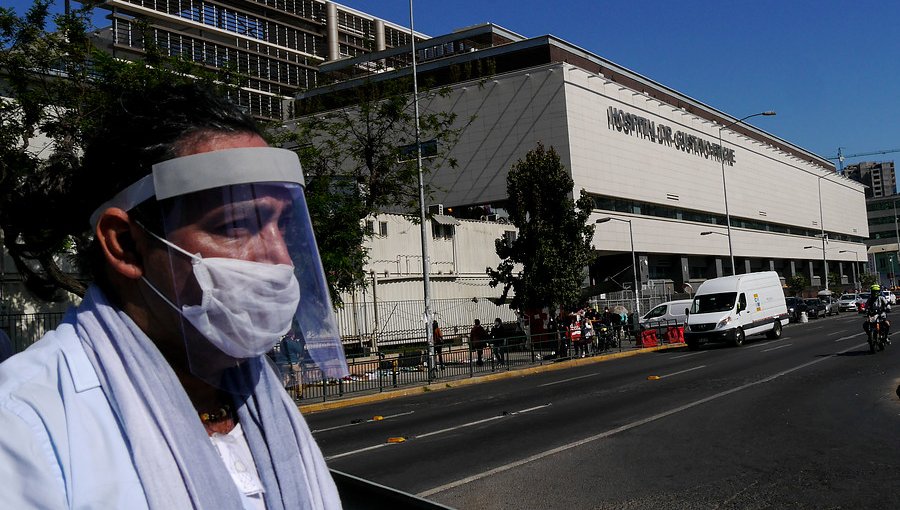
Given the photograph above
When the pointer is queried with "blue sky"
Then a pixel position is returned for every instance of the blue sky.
(831, 69)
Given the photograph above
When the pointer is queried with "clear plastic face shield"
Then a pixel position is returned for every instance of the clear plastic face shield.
(242, 267)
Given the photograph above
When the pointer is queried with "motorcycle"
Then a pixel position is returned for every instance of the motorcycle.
(876, 332)
(606, 337)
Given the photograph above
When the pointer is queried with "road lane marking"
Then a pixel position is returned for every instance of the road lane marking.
(567, 380)
(849, 337)
(779, 347)
(623, 428)
(682, 372)
(449, 429)
(834, 333)
(366, 449)
(689, 354)
(360, 423)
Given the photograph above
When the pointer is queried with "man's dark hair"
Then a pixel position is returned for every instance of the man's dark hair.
(144, 127)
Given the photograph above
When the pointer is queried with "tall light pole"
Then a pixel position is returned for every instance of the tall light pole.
(824, 235)
(426, 263)
(634, 263)
(855, 268)
(725, 187)
(823, 255)
(896, 230)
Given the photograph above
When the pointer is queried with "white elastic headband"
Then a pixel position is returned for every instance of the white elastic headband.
(208, 170)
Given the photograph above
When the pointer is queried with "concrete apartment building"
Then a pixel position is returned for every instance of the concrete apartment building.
(278, 44)
(879, 177)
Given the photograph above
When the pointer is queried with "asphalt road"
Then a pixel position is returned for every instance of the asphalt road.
(811, 420)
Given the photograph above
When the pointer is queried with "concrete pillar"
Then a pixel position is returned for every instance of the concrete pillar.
(793, 268)
(771, 265)
(685, 270)
(644, 268)
(379, 35)
(331, 29)
(747, 266)
(812, 272)
(719, 272)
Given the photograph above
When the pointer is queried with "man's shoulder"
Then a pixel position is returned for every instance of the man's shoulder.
(38, 372)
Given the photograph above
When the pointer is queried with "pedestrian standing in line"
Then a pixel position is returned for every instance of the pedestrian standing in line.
(476, 341)
(498, 337)
(155, 393)
(438, 337)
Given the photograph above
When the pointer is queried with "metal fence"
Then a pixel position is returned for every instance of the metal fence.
(371, 325)
(457, 361)
(381, 372)
(26, 328)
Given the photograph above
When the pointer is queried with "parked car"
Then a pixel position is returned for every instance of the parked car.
(861, 302)
(891, 298)
(847, 303)
(815, 308)
(795, 307)
(831, 305)
(670, 312)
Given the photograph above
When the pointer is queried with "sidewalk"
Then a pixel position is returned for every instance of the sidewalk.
(461, 380)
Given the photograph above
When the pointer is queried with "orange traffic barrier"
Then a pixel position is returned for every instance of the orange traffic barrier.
(648, 338)
(675, 335)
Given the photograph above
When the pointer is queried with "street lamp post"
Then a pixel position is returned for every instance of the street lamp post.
(823, 255)
(634, 264)
(426, 264)
(725, 187)
(896, 231)
(715, 232)
(855, 268)
(824, 235)
(893, 271)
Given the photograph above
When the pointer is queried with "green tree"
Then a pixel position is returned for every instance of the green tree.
(545, 264)
(867, 279)
(797, 283)
(54, 85)
(360, 160)
(834, 281)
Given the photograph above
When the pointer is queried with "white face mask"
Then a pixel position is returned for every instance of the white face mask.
(246, 306)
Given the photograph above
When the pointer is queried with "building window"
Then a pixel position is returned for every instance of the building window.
(382, 228)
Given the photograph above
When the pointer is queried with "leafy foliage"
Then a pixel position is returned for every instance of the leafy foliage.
(356, 165)
(54, 86)
(545, 264)
(834, 280)
(797, 283)
(866, 280)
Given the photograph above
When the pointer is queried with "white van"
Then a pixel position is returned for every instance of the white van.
(670, 312)
(733, 307)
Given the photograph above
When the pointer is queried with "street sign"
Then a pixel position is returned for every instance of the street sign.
(408, 152)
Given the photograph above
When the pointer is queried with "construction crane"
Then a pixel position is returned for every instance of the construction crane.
(841, 156)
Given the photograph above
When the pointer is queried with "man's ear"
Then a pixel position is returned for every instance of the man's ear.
(117, 243)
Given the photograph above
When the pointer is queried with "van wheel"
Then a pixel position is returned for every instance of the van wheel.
(738, 337)
(775, 333)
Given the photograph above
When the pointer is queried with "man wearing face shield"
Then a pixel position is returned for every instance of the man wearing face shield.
(155, 391)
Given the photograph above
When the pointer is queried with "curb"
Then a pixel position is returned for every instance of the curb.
(458, 383)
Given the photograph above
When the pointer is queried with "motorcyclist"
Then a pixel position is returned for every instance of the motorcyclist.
(878, 305)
